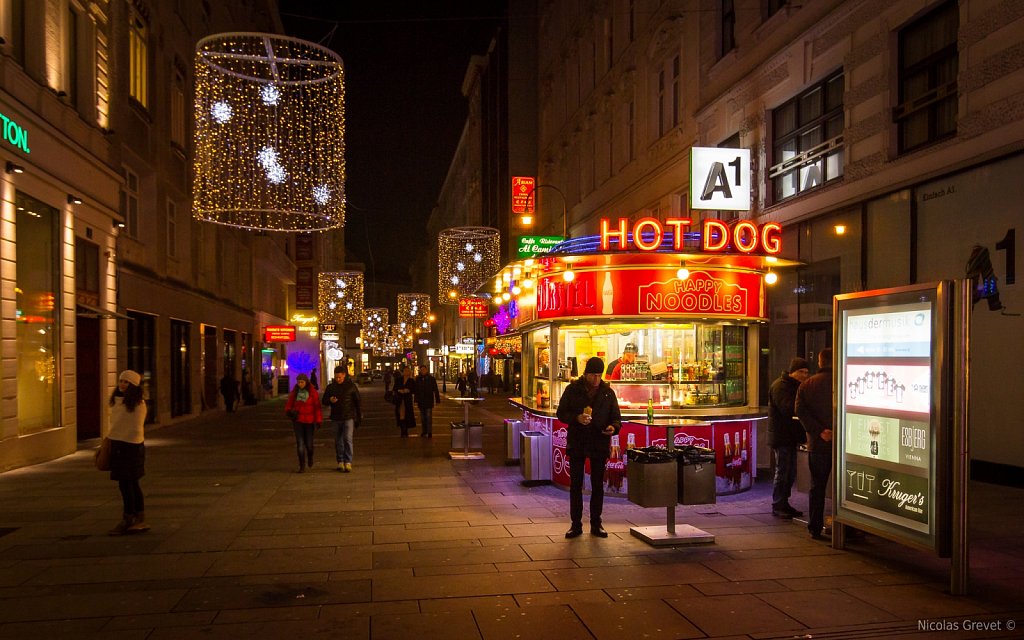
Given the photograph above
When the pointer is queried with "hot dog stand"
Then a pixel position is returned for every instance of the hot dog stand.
(677, 309)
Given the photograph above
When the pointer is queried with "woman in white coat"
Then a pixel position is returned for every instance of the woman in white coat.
(127, 416)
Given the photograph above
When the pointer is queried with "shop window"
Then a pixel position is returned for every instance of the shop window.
(727, 37)
(130, 203)
(928, 62)
(807, 140)
(37, 293)
(669, 98)
(172, 229)
(141, 343)
(18, 32)
(87, 272)
(178, 108)
(771, 7)
(138, 58)
(181, 368)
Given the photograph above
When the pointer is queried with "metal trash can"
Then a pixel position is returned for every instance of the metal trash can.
(651, 477)
(476, 436)
(696, 475)
(535, 456)
(512, 449)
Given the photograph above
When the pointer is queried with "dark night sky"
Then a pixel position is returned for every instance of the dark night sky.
(404, 110)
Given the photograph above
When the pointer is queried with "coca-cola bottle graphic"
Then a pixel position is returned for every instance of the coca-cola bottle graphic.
(607, 294)
(614, 471)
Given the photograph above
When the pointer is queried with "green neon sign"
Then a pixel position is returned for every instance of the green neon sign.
(14, 134)
(532, 246)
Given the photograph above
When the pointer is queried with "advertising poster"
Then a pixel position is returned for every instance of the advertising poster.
(889, 396)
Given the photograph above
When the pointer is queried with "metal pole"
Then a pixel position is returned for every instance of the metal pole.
(959, 570)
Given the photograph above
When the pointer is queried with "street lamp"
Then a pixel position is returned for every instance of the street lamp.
(527, 219)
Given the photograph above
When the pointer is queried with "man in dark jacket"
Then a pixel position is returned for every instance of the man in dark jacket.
(814, 408)
(785, 434)
(426, 395)
(229, 389)
(591, 410)
(342, 396)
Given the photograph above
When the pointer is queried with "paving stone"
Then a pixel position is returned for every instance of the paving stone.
(419, 588)
(449, 557)
(470, 603)
(562, 598)
(825, 608)
(98, 604)
(255, 596)
(635, 619)
(660, 592)
(620, 577)
(432, 625)
(733, 615)
(536, 623)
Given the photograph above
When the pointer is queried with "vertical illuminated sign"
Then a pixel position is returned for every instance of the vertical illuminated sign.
(523, 200)
(892, 419)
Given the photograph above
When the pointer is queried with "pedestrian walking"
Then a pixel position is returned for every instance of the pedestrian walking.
(474, 383)
(426, 395)
(312, 379)
(342, 396)
(591, 410)
(388, 379)
(405, 389)
(462, 385)
(785, 434)
(303, 409)
(814, 408)
(229, 389)
(126, 419)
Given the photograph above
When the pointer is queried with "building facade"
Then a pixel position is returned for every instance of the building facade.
(103, 265)
(884, 138)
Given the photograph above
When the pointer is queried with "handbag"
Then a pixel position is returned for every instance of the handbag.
(292, 414)
(102, 458)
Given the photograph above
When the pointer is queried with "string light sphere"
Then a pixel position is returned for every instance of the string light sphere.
(269, 133)
(466, 258)
(340, 297)
(414, 310)
(375, 327)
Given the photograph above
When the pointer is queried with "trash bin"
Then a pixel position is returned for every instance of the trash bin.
(535, 456)
(696, 475)
(651, 477)
(512, 430)
(476, 436)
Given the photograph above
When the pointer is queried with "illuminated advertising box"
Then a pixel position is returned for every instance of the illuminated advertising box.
(472, 308)
(522, 194)
(279, 333)
(893, 426)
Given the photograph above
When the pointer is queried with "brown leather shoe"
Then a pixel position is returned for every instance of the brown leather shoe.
(573, 533)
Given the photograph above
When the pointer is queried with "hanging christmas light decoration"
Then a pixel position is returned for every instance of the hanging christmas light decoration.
(340, 297)
(466, 258)
(269, 133)
(414, 310)
(375, 328)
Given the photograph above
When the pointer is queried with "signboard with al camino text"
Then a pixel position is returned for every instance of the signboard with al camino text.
(892, 428)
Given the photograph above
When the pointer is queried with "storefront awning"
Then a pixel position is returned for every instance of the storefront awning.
(87, 311)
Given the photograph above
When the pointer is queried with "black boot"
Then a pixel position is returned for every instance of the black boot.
(302, 463)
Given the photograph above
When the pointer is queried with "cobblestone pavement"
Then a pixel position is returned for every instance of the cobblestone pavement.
(411, 544)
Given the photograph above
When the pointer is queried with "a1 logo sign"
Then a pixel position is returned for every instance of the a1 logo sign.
(720, 178)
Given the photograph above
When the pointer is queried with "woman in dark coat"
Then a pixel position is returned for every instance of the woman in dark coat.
(405, 389)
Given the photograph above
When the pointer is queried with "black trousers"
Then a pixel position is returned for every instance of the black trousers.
(576, 468)
(820, 463)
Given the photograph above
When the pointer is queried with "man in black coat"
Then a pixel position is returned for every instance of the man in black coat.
(426, 395)
(342, 396)
(785, 434)
(814, 408)
(591, 410)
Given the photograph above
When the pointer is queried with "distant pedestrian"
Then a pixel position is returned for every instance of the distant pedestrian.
(405, 387)
(303, 408)
(342, 396)
(126, 420)
(388, 379)
(814, 407)
(474, 383)
(462, 384)
(229, 389)
(492, 382)
(785, 434)
(426, 395)
(312, 379)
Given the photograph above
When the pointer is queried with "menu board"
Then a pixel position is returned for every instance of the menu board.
(891, 423)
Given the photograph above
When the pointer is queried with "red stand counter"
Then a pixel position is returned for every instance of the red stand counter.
(733, 437)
